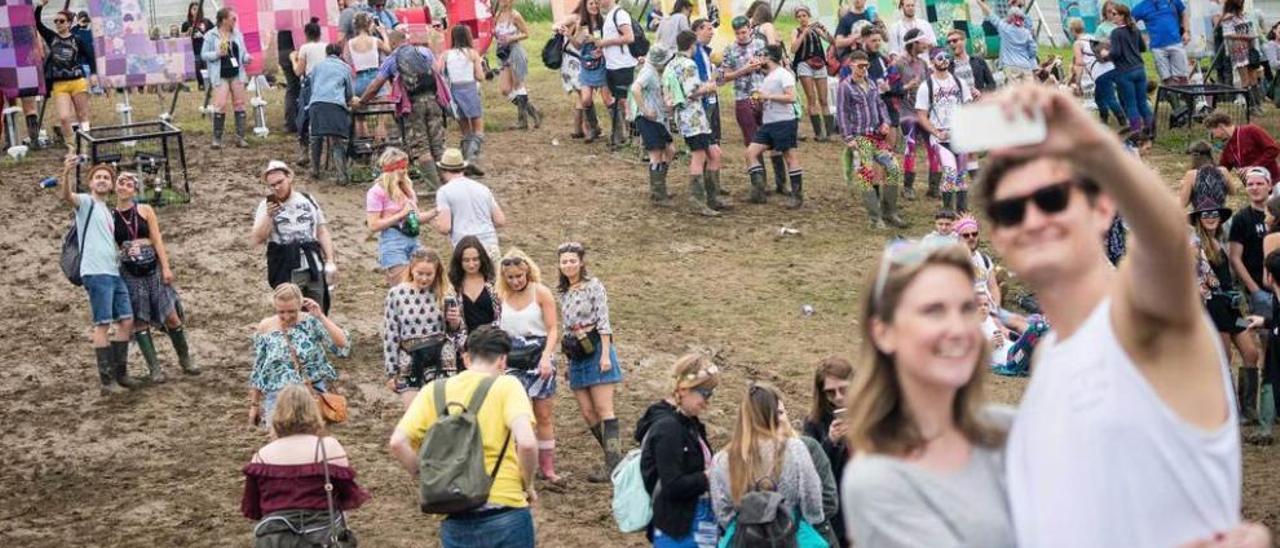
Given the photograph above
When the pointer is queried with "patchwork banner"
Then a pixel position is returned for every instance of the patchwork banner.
(127, 56)
(20, 62)
(261, 20)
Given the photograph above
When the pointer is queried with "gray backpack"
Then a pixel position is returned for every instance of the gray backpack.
(763, 518)
(451, 460)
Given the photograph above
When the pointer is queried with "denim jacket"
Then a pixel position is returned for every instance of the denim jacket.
(212, 41)
(331, 82)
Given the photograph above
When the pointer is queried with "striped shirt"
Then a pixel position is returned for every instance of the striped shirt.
(859, 109)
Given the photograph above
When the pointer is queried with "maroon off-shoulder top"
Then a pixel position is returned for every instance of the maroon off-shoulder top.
(273, 487)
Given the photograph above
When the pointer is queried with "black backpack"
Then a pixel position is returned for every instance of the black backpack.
(553, 52)
(639, 47)
(72, 251)
(416, 74)
(763, 520)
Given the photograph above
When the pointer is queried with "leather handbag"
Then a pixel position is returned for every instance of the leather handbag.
(333, 406)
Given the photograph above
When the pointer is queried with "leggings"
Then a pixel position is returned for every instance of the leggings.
(951, 163)
(856, 161)
(912, 133)
(1104, 95)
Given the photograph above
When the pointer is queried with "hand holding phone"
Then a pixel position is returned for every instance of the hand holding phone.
(980, 127)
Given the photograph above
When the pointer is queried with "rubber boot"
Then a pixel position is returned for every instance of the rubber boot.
(889, 206)
(430, 175)
(698, 196)
(578, 118)
(317, 156)
(1248, 394)
(338, 150)
(304, 154)
(947, 199)
(962, 201)
(713, 191)
(796, 199)
(472, 155)
(120, 364)
(148, 348)
(522, 116)
(532, 111)
(780, 184)
(593, 125)
(597, 432)
(106, 371)
(819, 131)
(612, 449)
(833, 132)
(617, 126)
(935, 184)
(1266, 415)
(547, 466)
(658, 185)
(219, 126)
(759, 194)
(33, 132)
(178, 336)
(871, 202)
(240, 123)
(909, 181)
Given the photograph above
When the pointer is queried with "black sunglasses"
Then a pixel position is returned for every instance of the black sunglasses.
(1050, 200)
(969, 235)
(59, 21)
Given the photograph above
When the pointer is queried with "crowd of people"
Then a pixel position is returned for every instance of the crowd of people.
(1131, 386)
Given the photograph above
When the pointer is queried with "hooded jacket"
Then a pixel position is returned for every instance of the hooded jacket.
(673, 457)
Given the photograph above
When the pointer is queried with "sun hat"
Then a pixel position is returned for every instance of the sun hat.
(660, 55)
(1204, 204)
(452, 160)
(276, 165)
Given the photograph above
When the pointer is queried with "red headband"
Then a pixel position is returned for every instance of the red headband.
(391, 167)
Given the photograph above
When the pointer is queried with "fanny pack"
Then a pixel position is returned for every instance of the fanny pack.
(526, 352)
(426, 352)
(143, 264)
(578, 347)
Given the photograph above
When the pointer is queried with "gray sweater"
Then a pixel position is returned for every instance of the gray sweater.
(890, 502)
(798, 483)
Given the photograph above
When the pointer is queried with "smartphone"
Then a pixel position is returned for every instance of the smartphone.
(979, 127)
(1242, 323)
(450, 302)
(838, 412)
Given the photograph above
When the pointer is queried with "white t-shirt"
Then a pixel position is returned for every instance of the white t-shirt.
(775, 83)
(1096, 458)
(946, 99)
(471, 206)
(617, 57)
(312, 53)
(297, 220)
(898, 33)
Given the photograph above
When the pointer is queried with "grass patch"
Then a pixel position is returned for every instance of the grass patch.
(534, 12)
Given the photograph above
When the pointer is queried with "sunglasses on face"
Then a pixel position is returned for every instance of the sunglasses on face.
(1209, 215)
(969, 235)
(953, 41)
(1051, 199)
(59, 21)
(703, 391)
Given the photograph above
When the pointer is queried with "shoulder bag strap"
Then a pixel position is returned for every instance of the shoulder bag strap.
(328, 492)
(297, 363)
(80, 233)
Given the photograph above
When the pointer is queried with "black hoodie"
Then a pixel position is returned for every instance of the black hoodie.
(673, 457)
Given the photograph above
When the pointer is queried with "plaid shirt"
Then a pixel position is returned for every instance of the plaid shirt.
(860, 110)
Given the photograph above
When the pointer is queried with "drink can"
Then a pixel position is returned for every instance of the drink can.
(48, 182)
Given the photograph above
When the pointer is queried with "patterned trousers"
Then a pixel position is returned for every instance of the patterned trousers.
(857, 160)
(425, 127)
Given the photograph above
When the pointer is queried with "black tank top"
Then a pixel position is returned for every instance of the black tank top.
(479, 312)
(129, 225)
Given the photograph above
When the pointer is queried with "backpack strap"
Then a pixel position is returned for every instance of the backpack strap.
(477, 400)
(442, 406)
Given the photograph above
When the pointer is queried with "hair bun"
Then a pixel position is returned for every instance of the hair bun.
(315, 20)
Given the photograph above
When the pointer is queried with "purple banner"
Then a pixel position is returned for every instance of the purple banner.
(127, 56)
(20, 62)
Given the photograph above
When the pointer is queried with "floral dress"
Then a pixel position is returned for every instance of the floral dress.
(273, 366)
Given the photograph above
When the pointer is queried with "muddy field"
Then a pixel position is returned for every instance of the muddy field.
(161, 466)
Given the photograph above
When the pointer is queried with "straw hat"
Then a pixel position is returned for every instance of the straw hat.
(452, 160)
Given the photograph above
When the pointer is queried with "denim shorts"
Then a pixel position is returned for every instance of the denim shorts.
(108, 298)
(394, 248)
(586, 372)
(512, 528)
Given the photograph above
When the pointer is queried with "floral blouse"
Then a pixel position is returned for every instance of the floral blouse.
(585, 306)
(412, 313)
(273, 367)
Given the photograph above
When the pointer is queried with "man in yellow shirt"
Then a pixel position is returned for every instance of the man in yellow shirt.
(505, 520)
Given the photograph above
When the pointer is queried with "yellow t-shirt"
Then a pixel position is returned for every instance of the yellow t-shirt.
(506, 401)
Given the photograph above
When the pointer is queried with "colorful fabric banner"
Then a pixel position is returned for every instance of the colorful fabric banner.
(261, 20)
(127, 56)
(20, 63)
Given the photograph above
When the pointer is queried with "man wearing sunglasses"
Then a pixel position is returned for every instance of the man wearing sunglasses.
(973, 71)
(1129, 401)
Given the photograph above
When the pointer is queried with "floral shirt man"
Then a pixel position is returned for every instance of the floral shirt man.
(681, 80)
(737, 56)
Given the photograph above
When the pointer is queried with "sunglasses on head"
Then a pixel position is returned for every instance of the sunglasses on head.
(904, 252)
(513, 261)
(571, 246)
(1049, 200)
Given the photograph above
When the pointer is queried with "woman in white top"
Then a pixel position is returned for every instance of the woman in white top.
(529, 316)
(462, 66)
(364, 54)
(1087, 68)
(928, 465)
(509, 29)
(312, 52)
